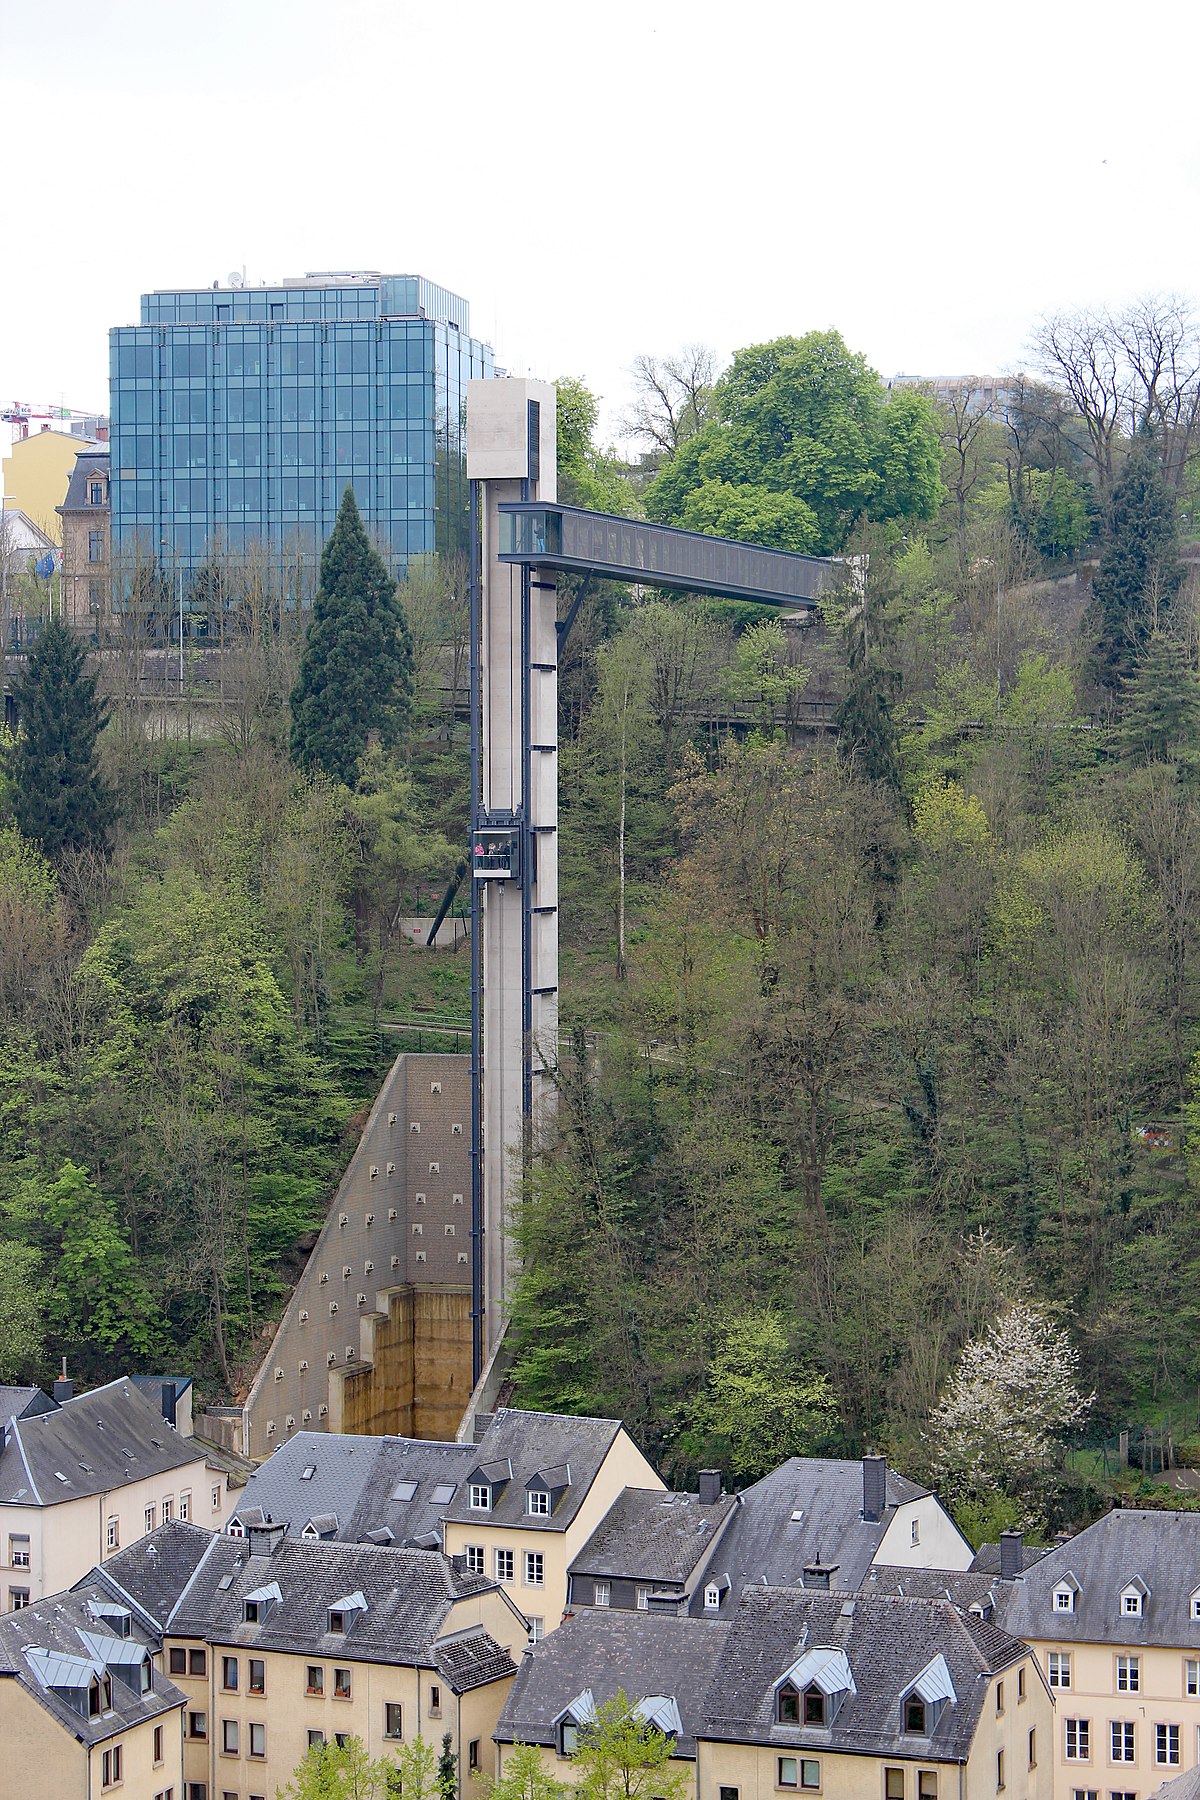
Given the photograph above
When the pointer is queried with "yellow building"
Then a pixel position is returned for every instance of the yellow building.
(84, 1707)
(36, 473)
(279, 1643)
(537, 1489)
(802, 1692)
(1114, 1618)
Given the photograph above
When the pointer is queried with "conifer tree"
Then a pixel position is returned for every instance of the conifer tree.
(59, 797)
(1139, 573)
(1161, 713)
(355, 677)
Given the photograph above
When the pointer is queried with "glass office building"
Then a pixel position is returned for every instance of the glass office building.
(240, 415)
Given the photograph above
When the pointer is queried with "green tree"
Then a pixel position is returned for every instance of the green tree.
(1160, 719)
(447, 1769)
(622, 1756)
(525, 1777)
(355, 679)
(60, 799)
(587, 476)
(759, 1400)
(1139, 573)
(342, 1772)
(23, 1310)
(752, 515)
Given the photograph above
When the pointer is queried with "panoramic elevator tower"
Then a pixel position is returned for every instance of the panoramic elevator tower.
(513, 851)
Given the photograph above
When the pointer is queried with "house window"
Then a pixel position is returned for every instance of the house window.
(914, 1715)
(177, 1661)
(341, 1739)
(603, 1593)
(18, 1551)
(481, 1496)
(229, 1674)
(393, 1720)
(1128, 1675)
(18, 1598)
(537, 1630)
(1132, 1604)
(568, 1738)
(801, 1772)
(197, 1726)
(642, 1599)
(315, 1738)
(100, 1696)
(216, 1499)
(197, 1662)
(1191, 1677)
(112, 1535)
(229, 1737)
(435, 1701)
(1166, 1745)
(197, 1790)
(1121, 1737)
(505, 1565)
(111, 1766)
(787, 1705)
(314, 1679)
(914, 1531)
(1077, 1735)
(158, 1744)
(257, 1683)
(712, 1598)
(999, 1697)
(787, 1772)
(96, 604)
(1020, 1685)
(185, 1506)
(475, 1558)
(258, 1740)
(535, 1569)
(537, 1502)
(728, 1793)
(1196, 1604)
(814, 1706)
(1033, 1748)
(149, 1518)
(999, 1770)
(1058, 1668)
(893, 1784)
(341, 1684)
(168, 1511)
(95, 546)
(473, 1754)
(1064, 1599)
(927, 1784)
(95, 493)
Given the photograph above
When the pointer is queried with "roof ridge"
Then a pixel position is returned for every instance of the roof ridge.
(16, 1425)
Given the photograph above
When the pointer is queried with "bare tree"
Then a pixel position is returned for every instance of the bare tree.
(1083, 352)
(672, 397)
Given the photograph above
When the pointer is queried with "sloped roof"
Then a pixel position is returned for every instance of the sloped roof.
(650, 1536)
(23, 1402)
(888, 1643)
(961, 1587)
(533, 1443)
(154, 1571)
(767, 1543)
(89, 1445)
(1183, 1787)
(355, 1479)
(408, 1595)
(986, 1560)
(61, 1631)
(1161, 1549)
(645, 1654)
(94, 461)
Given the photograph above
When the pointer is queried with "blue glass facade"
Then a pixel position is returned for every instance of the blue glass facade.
(240, 414)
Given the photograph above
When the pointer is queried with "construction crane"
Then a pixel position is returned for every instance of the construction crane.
(21, 412)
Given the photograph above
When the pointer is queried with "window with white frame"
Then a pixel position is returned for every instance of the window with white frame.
(505, 1565)
(537, 1630)
(1077, 1739)
(168, 1511)
(216, 1497)
(112, 1534)
(712, 1597)
(1064, 1599)
(480, 1496)
(1166, 1746)
(475, 1555)
(185, 1505)
(537, 1503)
(18, 1550)
(1121, 1740)
(914, 1531)
(535, 1569)
(1191, 1677)
(1058, 1668)
(149, 1518)
(642, 1599)
(1195, 1606)
(1129, 1675)
(603, 1593)
(1131, 1603)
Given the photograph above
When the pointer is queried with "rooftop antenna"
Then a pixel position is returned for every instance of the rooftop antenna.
(237, 278)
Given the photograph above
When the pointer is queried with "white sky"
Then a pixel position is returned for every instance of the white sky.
(601, 179)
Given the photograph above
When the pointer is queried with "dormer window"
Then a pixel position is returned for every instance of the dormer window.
(537, 1503)
(1133, 1599)
(99, 1696)
(343, 1612)
(257, 1605)
(922, 1704)
(95, 493)
(811, 1692)
(914, 1716)
(1194, 1608)
(712, 1597)
(481, 1496)
(787, 1705)
(337, 1620)
(581, 1711)
(814, 1706)
(1064, 1595)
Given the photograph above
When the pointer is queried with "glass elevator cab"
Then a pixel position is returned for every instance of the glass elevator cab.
(496, 852)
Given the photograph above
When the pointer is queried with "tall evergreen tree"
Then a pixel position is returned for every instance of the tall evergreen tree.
(1139, 573)
(355, 676)
(1161, 713)
(60, 800)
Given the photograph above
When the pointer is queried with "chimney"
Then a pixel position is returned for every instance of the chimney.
(874, 1488)
(167, 1401)
(819, 1575)
(1012, 1555)
(267, 1538)
(64, 1388)
(481, 1423)
(710, 1486)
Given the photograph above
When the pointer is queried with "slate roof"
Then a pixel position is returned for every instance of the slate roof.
(355, 1478)
(651, 1536)
(986, 1560)
(89, 1445)
(23, 1402)
(765, 1543)
(887, 1641)
(54, 1625)
(534, 1443)
(1162, 1549)
(89, 462)
(1183, 1787)
(643, 1653)
(408, 1594)
(154, 1571)
(963, 1588)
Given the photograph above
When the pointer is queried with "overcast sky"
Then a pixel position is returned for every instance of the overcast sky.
(604, 179)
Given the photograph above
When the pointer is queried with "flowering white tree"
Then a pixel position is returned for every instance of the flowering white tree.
(999, 1425)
